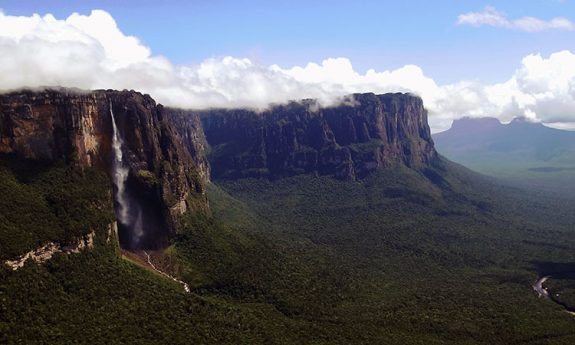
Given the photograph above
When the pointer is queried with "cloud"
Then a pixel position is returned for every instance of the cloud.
(491, 17)
(91, 52)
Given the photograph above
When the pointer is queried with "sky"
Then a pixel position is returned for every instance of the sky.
(464, 58)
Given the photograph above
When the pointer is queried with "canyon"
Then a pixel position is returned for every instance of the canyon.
(164, 152)
(292, 224)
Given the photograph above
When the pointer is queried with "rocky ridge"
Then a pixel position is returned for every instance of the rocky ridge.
(48, 250)
(347, 141)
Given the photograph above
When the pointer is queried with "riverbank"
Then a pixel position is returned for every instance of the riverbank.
(547, 294)
(144, 260)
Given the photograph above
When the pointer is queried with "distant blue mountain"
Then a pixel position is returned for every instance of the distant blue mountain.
(522, 151)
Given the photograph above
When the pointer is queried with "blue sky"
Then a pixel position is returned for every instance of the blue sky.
(372, 34)
(464, 58)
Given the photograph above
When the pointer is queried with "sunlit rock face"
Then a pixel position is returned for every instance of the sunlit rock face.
(348, 141)
(76, 127)
(189, 127)
(55, 125)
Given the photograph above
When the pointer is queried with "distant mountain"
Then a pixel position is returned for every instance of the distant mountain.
(521, 150)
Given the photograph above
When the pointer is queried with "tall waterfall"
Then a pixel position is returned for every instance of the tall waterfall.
(120, 177)
(120, 172)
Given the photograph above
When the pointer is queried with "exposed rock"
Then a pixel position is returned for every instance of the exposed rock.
(55, 125)
(76, 127)
(347, 141)
(86, 242)
(47, 251)
(166, 148)
(189, 126)
(112, 232)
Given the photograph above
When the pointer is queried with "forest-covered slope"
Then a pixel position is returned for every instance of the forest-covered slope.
(415, 251)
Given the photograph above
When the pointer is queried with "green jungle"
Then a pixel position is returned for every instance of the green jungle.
(440, 256)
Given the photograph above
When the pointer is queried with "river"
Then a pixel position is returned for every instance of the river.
(543, 292)
(538, 287)
(184, 284)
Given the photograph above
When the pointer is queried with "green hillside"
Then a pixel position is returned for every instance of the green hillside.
(400, 257)
(416, 258)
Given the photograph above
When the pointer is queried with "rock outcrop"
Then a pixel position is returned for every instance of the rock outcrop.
(47, 251)
(165, 149)
(189, 127)
(75, 127)
(347, 141)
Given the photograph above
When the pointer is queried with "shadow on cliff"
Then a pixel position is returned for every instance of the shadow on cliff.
(146, 228)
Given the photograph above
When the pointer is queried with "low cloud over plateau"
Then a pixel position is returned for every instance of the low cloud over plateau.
(91, 52)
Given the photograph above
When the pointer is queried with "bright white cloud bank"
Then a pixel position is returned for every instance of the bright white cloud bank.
(491, 17)
(91, 52)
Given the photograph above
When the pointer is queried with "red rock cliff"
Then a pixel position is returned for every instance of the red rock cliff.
(74, 126)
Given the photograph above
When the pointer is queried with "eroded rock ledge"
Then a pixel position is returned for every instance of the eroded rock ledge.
(47, 251)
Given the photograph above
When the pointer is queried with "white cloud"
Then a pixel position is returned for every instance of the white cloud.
(492, 17)
(91, 52)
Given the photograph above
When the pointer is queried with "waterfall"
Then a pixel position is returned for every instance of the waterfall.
(120, 172)
(137, 229)
(120, 177)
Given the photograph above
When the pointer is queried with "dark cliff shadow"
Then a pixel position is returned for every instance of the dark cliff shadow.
(26, 170)
(559, 270)
(146, 228)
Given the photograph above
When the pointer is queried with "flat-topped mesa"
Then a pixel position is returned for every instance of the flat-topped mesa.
(347, 141)
(476, 123)
(75, 126)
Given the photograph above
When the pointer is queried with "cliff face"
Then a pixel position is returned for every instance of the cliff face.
(76, 127)
(189, 127)
(55, 125)
(164, 149)
(347, 141)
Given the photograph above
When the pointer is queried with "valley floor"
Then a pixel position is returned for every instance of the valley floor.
(391, 259)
